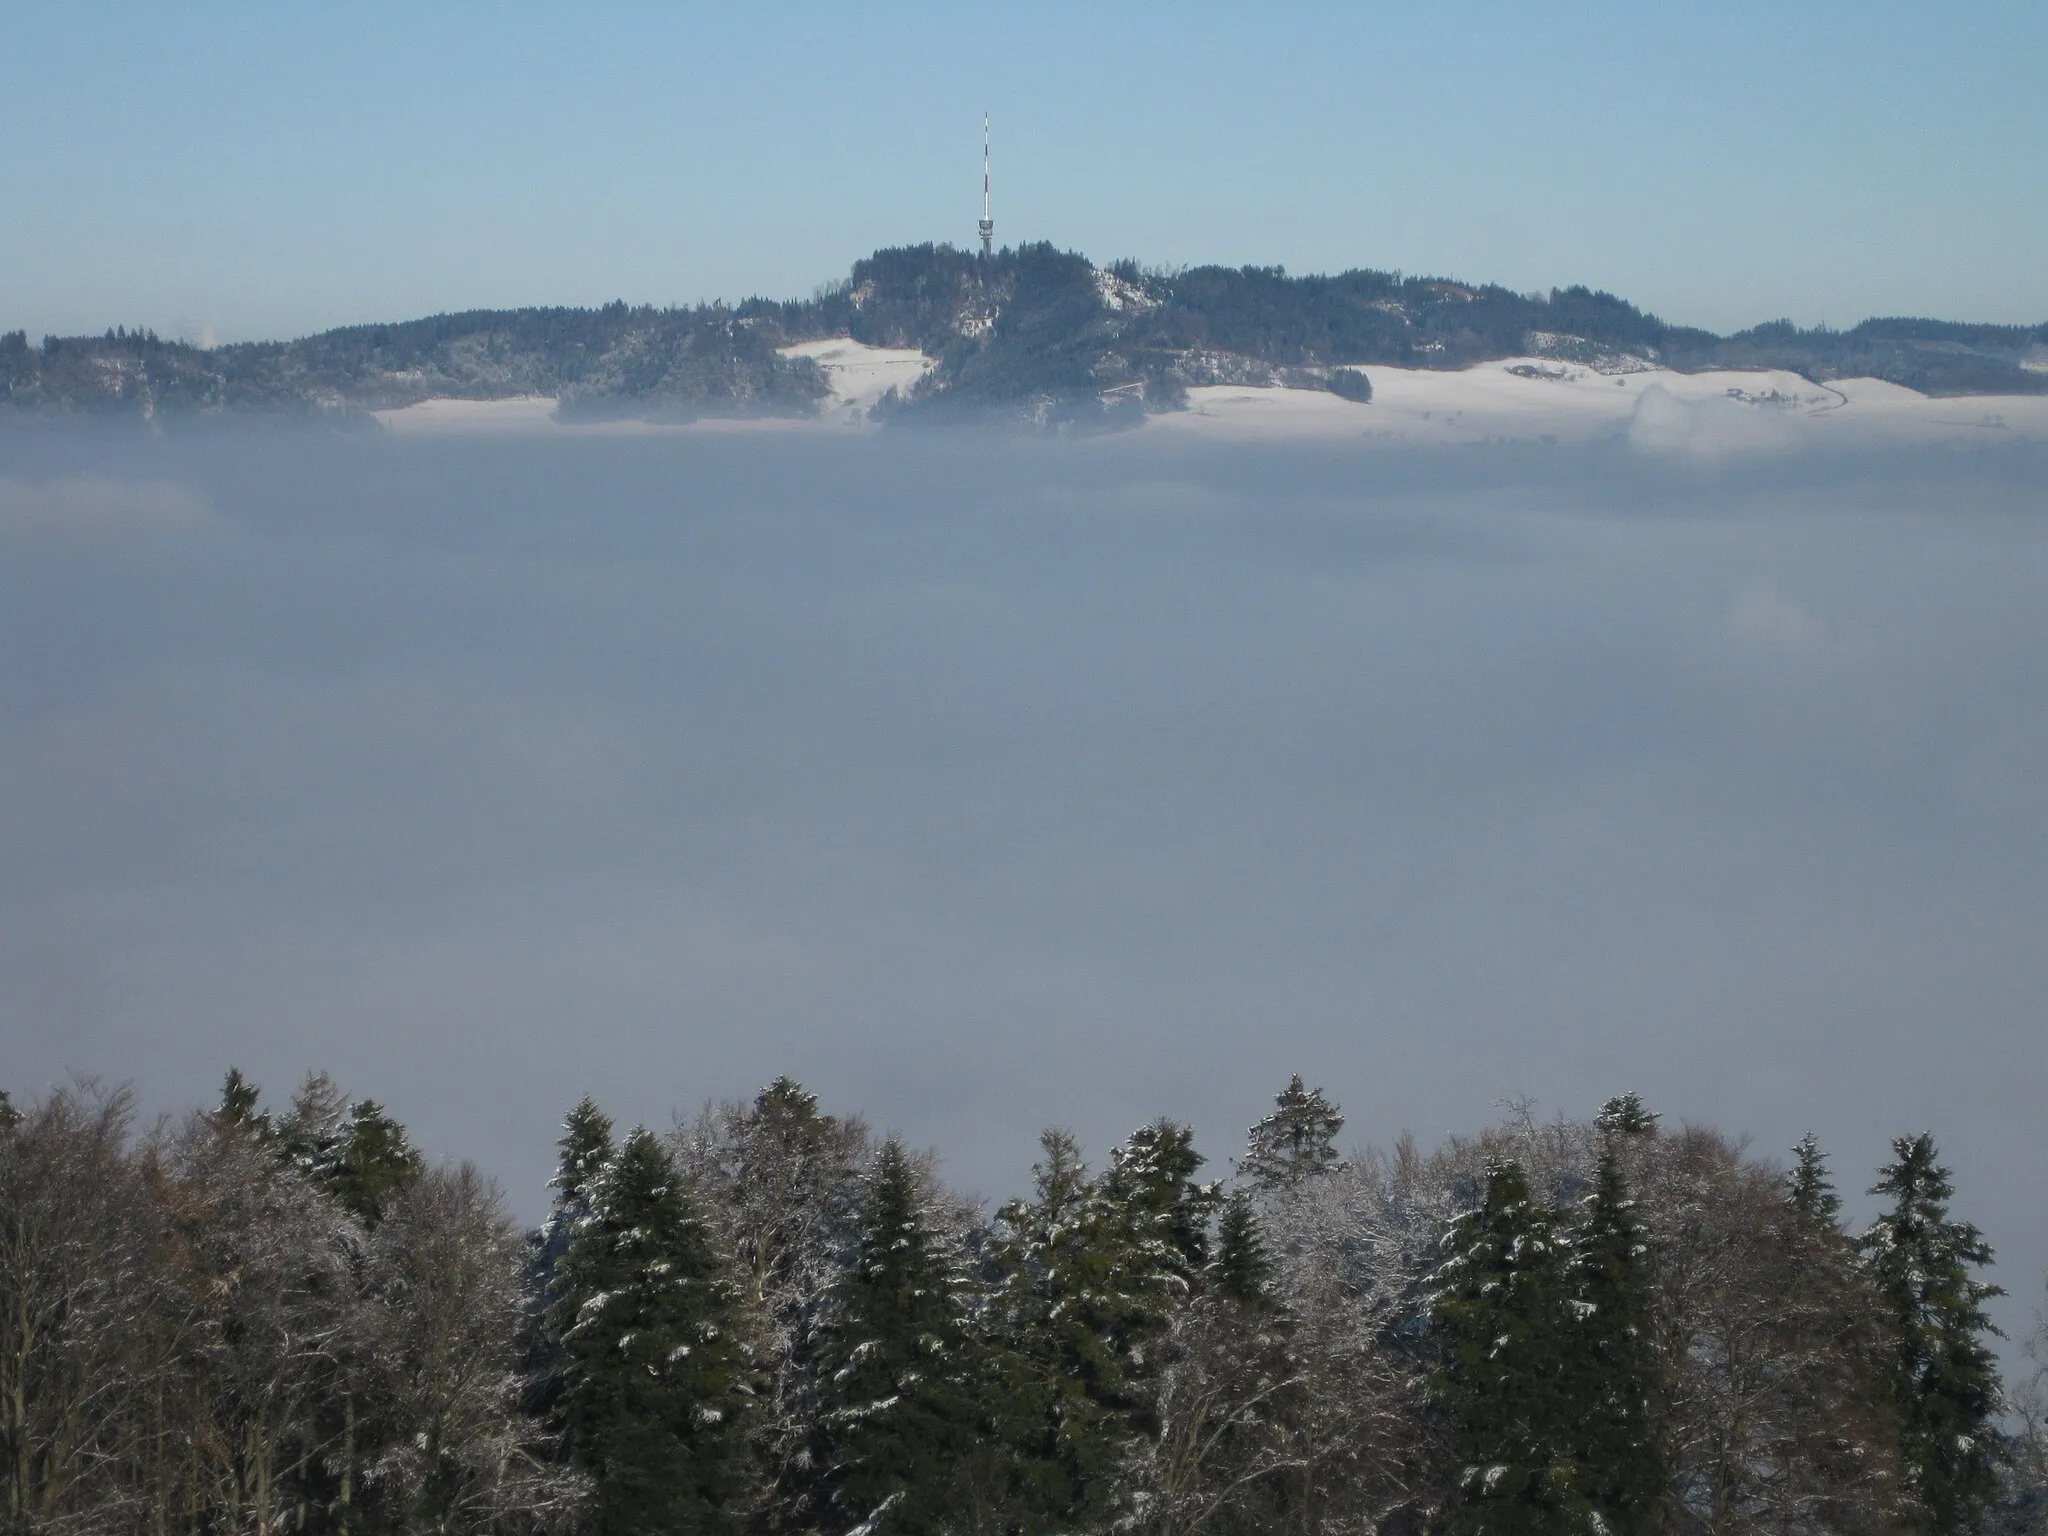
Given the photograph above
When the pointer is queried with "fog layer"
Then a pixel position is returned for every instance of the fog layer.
(982, 785)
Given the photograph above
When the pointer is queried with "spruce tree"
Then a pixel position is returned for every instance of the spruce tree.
(583, 1152)
(895, 1365)
(1500, 1381)
(1625, 1115)
(238, 1100)
(372, 1164)
(1243, 1270)
(581, 1156)
(1155, 1218)
(1825, 1412)
(1811, 1190)
(1150, 1185)
(1296, 1142)
(355, 1152)
(656, 1382)
(1611, 1377)
(1066, 1314)
(305, 1133)
(1944, 1378)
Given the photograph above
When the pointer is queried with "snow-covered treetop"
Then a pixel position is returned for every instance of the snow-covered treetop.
(1296, 1142)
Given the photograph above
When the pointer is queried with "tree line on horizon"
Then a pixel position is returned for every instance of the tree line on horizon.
(1029, 330)
(770, 1320)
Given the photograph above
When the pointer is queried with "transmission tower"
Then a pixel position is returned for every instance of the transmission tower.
(988, 225)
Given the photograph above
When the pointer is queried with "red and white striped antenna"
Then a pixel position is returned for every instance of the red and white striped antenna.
(988, 225)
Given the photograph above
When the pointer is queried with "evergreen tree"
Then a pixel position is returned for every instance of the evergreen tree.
(1072, 1303)
(1612, 1372)
(1625, 1115)
(1944, 1379)
(1822, 1407)
(1243, 1269)
(1809, 1187)
(898, 1412)
(355, 1152)
(372, 1164)
(581, 1155)
(305, 1134)
(656, 1382)
(1151, 1186)
(238, 1100)
(1496, 1316)
(1296, 1142)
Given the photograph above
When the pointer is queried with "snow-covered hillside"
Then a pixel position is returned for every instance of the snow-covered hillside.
(1541, 400)
(1517, 400)
(859, 375)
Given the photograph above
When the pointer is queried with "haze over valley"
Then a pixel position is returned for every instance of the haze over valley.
(983, 783)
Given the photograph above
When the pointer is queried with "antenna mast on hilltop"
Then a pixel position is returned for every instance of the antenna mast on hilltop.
(988, 225)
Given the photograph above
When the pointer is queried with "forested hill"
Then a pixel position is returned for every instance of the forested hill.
(1029, 331)
(769, 1321)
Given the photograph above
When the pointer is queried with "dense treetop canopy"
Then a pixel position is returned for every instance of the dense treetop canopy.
(768, 1320)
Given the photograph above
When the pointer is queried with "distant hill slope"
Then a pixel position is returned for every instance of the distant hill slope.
(1031, 332)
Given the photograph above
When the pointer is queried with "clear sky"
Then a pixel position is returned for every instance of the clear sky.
(256, 170)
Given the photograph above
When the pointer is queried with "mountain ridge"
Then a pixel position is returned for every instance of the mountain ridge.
(1029, 332)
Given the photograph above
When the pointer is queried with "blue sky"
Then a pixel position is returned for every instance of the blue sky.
(267, 170)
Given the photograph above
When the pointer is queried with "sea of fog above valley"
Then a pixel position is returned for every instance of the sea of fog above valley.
(981, 781)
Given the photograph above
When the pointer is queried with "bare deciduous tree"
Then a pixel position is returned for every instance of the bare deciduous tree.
(440, 1317)
(75, 1296)
(780, 1184)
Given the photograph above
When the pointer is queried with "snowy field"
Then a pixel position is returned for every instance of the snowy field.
(1534, 400)
(860, 375)
(1517, 400)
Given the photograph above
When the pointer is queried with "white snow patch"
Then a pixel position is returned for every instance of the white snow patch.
(1115, 293)
(521, 415)
(859, 375)
(1655, 410)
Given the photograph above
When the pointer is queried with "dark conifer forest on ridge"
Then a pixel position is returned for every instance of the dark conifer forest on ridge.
(768, 1318)
(1027, 331)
